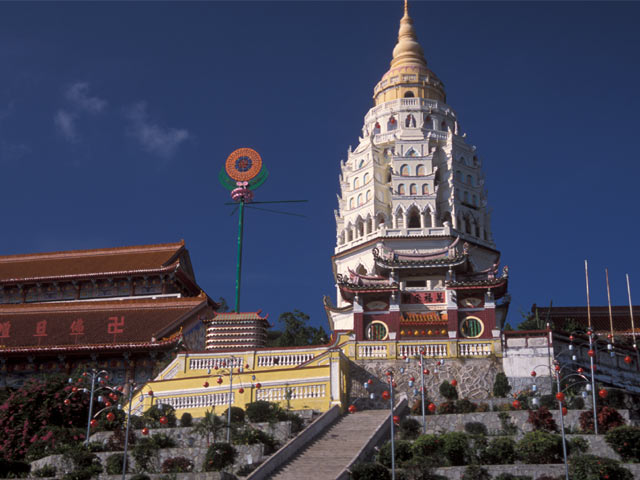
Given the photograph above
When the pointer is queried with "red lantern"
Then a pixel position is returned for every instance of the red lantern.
(258, 385)
(432, 407)
(219, 380)
(580, 370)
(571, 338)
(412, 379)
(113, 396)
(370, 382)
(163, 420)
(603, 393)
(205, 384)
(454, 383)
(396, 419)
(516, 404)
(352, 409)
(627, 359)
(560, 396)
(93, 423)
(111, 417)
(394, 384)
(564, 411)
(388, 373)
(591, 353)
(107, 403)
(557, 367)
(241, 390)
(533, 373)
(74, 389)
(246, 366)
(67, 401)
(426, 371)
(145, 431)
(150, 393)
(386, 395)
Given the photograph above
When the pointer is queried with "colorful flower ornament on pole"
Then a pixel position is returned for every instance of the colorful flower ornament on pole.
(205, 384)
(93, 423)
(163, 420)
(396, 419)
(603, 393)
(560, 396)
(219, 380)
(516, 404)
(627, 360)
(564, 411)
(432, 407)
(241, 390)
(352, 409)
(150, 393)
(258, 385)
(386, 395)
(145, 431)
(591, 353)
(111, 417)
(533, 373)
(454, 383)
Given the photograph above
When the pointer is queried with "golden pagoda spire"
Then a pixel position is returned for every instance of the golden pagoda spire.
(407, 50)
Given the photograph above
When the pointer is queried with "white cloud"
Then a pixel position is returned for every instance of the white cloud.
(153, 138)
(65, 123)
(78, 95)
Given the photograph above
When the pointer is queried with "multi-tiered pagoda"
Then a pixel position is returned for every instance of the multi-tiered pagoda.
(415, 256)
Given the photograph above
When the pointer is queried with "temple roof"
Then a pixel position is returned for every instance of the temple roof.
(424, 318)
(104, 262)
(563, 317)
(90, 326)
(235, 316)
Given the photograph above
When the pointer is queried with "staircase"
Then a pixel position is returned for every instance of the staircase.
(332, 451)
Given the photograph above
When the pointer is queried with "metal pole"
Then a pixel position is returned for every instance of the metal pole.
(424, 420)
(633, 328)
(393, 449)
(230, 402)
(126, 435)
(564, 440)
(93, 385)
(613, 339)
(593, 384)
(239, 262)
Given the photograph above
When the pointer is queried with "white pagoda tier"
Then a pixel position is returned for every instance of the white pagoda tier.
(415, 256)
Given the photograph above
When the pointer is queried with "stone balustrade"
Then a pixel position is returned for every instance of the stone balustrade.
(197, 401)
(297, 392)
(372, 351)
(212, 363)
(474, 349)
(430, 350)
(284, 360)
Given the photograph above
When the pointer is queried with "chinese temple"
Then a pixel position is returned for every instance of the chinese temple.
(415, 257)
(125, 309)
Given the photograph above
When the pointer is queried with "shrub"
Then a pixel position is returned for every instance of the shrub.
(297, 422)
(590, 467)
(140, 476)
(251, 436)
(455, 447)
(86, 464)
(427, 446)
(114, 464)
(160, 440)
(548, 401)
(263, 411)
(482, 407)
(116, 440)
(540, 447)
(219, 456)
(13, 468)
(625, 441)
(186, 420)
(614, 399)
(137, 422)
(465, 406)
(510, 476)
(448, 391)
(177, 465)
(500, 451)
(608, 418)
(403, 453)
(96, 447)
(576, 403)
(237, 415)
(446, 408)
(410, 428)
(46, 471)
(541, 419)
(370, 471)
(501, 387)
(475, 472)
(152, 416)
(506, 425)
(475, 428)
(144, 453)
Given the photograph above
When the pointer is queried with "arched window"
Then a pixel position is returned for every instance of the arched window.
(408, 94)
(356, 183)
(412, 189)
(425, 189)
(471, 327)
(420, 170)
(377, 331)
(469, 179)
(428, 122)
(368, 196)
(404, 170)
(466, 197)
(461, 160)
(359, 199)
(361, 164)
(376, 128)
(351, 201)
(401, 189)
(443, 125)
(467, 225)
(349, 234)
(475, 201)
(414, 218)
(459, 176)
(380, 220)
(392, 123)
(410, 121)
(365, 180)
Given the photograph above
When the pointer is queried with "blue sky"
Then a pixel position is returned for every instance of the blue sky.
(115, 119)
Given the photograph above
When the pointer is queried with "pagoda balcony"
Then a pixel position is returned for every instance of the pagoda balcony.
(408, 104)
(383, 232)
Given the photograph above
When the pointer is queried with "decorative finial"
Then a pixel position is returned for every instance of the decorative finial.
(407, 50)
(406, 8)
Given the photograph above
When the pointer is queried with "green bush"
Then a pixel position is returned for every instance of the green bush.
(475, 472)
(446, 408)
(575, 403)
(177, 465)
(219, 456)
(542, 419)
(428, 445)
(590, 467)
(251, 436)
(540, 447)
(410, 428)
(152, 416)
(614, 399)
(370, 471)
(500, 451)
(140, 476)
(186, 420)
(237, 415)
(506, 425)
(403, 453)
(455, 447)
(577, 445)
(46, 471)
(13, 468)
(144, 452)
(137, 422)
(510, 476)
(114, 463)
(448, 391)
(86, 464)
(160, 440)
(263, 411)
(465, 406)
(116, 440)
(608, 418)
(548, 401)
(501, 387)
(475, 428)
(297, 422)
(625, 441)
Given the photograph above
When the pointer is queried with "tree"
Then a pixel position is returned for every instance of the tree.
(532, 322)
(296, 332)
(209, 425)
(224, 306)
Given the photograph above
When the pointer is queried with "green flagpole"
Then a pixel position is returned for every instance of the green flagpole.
(239, 263)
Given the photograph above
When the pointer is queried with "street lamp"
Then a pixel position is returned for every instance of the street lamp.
(232, 362)
(423, 371)
(95, 374)
(388, 395)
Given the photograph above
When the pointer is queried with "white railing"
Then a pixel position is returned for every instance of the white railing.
(198, 401)
(474, 349)
(215, 362)
(292, 393)
(372, 351)
(172, 373)
(284, 360)
(393, 106)
(430, 350)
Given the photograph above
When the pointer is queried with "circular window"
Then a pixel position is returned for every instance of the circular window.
(377, 331)
(471, 327)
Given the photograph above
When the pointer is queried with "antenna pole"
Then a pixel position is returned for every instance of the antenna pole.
(239, 262)
(586, 274)
(613, 340)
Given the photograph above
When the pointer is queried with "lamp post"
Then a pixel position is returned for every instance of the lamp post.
(95, 374)
(423, 371)
(388, 395)
(232, 362)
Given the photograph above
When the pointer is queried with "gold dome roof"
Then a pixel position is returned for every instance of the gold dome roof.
(407, 50)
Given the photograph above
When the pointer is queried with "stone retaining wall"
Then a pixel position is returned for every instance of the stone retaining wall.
(534, 471)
